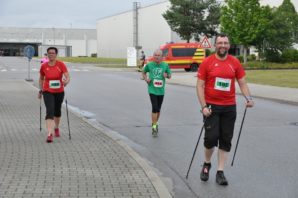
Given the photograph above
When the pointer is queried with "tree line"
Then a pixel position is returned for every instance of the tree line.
(272, 30)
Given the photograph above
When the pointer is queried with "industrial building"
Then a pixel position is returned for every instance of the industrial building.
(70, 42)
(143, 27)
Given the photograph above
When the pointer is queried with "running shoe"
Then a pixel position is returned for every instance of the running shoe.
(57, 132)
(221, 179)
(50, 139)
(205, 171)
(154, 130)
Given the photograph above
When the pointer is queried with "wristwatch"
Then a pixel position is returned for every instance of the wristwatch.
(248, 98)
(203, 107)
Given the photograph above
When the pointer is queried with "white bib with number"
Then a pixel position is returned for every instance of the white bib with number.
(222, 84)
(158, 83)
(54, 84)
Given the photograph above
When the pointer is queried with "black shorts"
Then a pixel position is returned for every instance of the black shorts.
(156, 102)
(53, 103)
(219, 127)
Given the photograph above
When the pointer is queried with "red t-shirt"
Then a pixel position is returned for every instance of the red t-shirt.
(219, 77)
(53, 76)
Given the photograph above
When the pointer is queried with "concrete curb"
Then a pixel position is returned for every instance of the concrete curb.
(156, 181)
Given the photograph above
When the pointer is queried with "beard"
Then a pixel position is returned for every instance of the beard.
(222, 54)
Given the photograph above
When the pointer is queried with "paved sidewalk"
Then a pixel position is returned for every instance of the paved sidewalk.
(91, 164)
(283, 94)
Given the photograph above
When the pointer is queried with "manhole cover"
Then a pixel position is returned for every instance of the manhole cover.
(294, 123)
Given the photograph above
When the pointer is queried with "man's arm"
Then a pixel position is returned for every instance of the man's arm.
(201, 96)
(245, 91)
(145, 76)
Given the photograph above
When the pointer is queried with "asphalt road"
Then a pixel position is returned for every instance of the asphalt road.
(266, 160)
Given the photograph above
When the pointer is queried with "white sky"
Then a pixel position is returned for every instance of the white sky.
(61, 13)
(71, 13)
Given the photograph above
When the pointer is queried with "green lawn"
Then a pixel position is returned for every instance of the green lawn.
(281, 78)
(93, 60)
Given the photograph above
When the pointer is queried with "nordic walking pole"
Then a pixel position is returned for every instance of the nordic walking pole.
(194, 153)
(40, 94)
(40, 114)
(67, 118)
(239, 136)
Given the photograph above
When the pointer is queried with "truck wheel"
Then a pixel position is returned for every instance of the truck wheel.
(194, 67)
(187, 69)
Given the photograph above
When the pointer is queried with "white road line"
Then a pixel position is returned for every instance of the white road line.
(3, 70)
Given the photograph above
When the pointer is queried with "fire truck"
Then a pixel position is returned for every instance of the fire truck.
(187, 56)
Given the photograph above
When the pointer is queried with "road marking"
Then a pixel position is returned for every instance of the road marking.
(3, 70)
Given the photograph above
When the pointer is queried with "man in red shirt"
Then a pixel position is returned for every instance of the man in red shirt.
(216, 93)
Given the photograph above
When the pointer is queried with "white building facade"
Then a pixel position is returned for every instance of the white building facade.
(116, 33)
(70, 42)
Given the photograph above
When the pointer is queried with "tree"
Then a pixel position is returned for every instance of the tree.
(287, 11)
(192, 18)
(244, 21)
(284, 27)
(282, 31)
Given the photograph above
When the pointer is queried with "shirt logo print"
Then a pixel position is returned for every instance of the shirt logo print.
(157, 72)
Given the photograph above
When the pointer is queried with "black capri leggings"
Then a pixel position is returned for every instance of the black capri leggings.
(156, 101)
(53, 102)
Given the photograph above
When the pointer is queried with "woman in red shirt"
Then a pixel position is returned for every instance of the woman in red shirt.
(53, 78)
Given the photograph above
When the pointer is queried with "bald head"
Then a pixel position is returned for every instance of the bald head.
(157, 55)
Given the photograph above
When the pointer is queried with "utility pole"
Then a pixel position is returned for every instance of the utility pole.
(136, 6)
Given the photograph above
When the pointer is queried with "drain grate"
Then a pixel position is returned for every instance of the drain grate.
(294, 123)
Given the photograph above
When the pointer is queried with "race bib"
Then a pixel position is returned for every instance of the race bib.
(158, 83)
(54, 84)
(222, 84)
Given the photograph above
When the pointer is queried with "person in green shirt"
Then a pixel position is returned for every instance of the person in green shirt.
(157, 71)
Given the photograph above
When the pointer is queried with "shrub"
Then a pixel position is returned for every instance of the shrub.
(251, 57)
(272, 56)
(290, 55)
(240, 58)
(208, 52)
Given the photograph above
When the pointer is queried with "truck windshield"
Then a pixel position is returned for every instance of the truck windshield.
(178, 52)
(165, 52)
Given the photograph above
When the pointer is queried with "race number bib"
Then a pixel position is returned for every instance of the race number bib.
(222, 84)
(54, 84)
(158, 83)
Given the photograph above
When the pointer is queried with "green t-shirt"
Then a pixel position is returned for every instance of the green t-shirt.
(157, 80)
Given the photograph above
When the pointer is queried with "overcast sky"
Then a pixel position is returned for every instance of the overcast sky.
(70, 13)
(61, 13)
